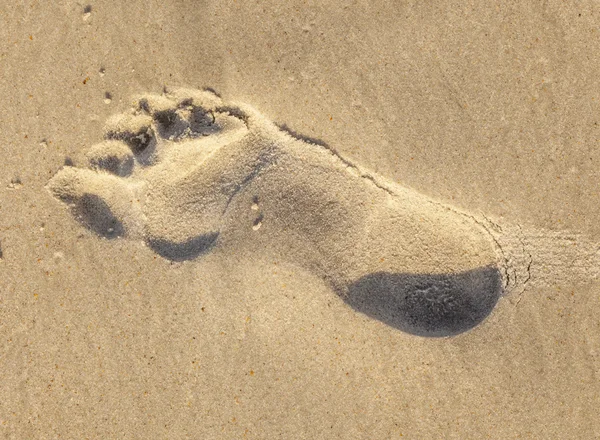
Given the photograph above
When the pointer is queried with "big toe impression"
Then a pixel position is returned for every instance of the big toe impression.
(100, 201)
(428, 304)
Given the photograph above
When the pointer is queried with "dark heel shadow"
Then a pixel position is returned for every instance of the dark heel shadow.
(428, 304)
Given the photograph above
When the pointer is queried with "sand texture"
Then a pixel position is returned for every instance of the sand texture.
(304, 220)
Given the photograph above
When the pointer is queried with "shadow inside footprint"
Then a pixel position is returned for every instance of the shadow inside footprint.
(169, 124)
(96, 215)
(428, 304)
(114, 164)
(187, 250)
(142, 143)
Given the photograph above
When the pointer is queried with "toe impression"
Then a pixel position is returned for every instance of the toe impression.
(100, 201)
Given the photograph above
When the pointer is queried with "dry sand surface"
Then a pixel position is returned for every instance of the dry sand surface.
(299, 220)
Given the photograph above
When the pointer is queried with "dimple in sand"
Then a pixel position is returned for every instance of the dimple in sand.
(187, 172)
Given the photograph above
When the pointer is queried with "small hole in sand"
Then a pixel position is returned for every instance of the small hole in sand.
(257, 223)
(15, 183)
(87, 12)
(107, 98)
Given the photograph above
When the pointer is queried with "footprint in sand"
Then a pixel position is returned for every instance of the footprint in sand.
(186, 172)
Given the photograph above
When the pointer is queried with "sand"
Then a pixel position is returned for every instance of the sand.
(299, 221)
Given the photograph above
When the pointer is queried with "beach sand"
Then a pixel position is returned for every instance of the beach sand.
(231, 275)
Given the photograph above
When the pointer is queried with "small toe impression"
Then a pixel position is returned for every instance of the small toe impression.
(169, 121)
(135, 130)
(177, 116)
(112, 156)
(428, 305)
(184, 113)
(204, 122)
